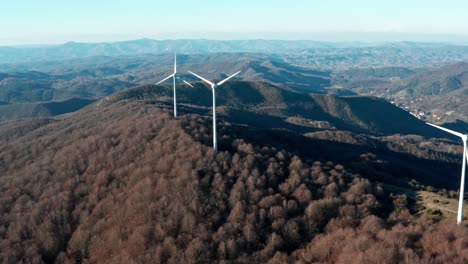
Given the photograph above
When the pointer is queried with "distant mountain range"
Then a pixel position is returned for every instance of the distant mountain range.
(313, 54)
(72, 50)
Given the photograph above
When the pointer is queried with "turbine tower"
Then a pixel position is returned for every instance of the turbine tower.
(214, 86)
(465, 161)
(173, 75)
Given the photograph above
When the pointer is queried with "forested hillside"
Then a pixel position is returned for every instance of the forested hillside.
(128, 183)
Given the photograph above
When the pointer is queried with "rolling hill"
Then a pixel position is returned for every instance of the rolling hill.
(34, 87)
(442, 92)
(437, 95)
(368, 80)
(48, 109)
(358, 74)
(436, 82)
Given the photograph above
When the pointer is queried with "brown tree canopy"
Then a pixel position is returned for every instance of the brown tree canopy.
(129, 184)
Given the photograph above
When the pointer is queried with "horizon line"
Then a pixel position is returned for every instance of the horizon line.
(325, 37)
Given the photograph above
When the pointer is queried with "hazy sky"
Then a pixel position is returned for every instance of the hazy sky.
(49, 21)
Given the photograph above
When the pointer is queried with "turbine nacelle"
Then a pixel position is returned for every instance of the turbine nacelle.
(170, 76)
(214, 85)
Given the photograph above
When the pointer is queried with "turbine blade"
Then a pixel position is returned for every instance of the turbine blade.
(187, 83)
(203, 79)
(225, 80)
(165, 79)
(447, 130)
(175, 63)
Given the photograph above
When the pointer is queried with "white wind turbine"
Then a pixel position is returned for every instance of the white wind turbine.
(465, 161)
(173, 75)
(214, 86)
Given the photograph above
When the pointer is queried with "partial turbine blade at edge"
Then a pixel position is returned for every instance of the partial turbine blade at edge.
(187, 83)
(447, 130)
(225, 80)
(165, 79)
(203, 79)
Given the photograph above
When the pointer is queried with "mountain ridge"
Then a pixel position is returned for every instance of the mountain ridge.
(349, 113)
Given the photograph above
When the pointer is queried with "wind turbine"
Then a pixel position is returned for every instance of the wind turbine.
(173, 75)
(465, 161)
(214, 86)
